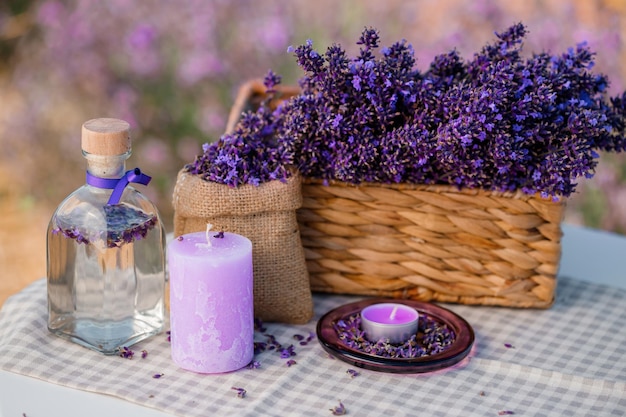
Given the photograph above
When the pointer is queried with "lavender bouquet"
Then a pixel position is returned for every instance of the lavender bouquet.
(463, 169)
(498, 122)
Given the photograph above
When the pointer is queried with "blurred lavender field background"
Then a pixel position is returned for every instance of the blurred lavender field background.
(172, 70)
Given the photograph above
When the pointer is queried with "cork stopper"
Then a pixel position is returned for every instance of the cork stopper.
(106, 136)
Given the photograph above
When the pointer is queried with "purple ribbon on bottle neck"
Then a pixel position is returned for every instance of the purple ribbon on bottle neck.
(118, 184)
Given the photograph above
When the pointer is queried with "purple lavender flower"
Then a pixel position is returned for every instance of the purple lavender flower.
(338, 410)
(369, 38)
(249, 155)
(259, 347)
(259, 326)
(303, 341)
(287, 352)
(125, 352)
(241, 393)
(270, 81)
(352, 373)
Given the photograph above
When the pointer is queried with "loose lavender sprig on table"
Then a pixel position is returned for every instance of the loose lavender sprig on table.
(338, 410)
(352, 373)
(241, 393)
(432, 337)
(125, 352)
(270, 343)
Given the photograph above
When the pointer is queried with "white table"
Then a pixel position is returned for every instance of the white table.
(566, 376)
(593, 255)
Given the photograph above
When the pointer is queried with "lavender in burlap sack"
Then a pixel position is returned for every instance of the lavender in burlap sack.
(265, 214)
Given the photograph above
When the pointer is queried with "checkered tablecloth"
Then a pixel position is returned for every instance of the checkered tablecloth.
(567, 360)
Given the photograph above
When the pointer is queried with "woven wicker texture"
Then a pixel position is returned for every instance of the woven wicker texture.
(431, 243)
(267, 216)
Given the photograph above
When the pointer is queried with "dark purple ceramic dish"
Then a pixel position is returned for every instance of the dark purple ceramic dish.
(456, 352)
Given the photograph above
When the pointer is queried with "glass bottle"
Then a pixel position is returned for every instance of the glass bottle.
(106, 258)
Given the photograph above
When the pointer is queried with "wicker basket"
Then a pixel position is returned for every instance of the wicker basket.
(436, 243)
(431, 243)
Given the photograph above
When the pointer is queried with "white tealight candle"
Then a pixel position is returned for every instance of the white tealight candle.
(393, 321)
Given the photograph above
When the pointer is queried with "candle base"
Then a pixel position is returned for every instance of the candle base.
(213, 364)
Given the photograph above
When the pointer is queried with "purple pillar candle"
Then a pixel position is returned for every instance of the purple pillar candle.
(396, 322)
(211, 301)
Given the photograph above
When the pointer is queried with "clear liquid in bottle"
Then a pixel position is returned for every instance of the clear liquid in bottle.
(106, 262)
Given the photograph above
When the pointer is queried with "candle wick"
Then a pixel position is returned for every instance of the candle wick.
(208, 237)
(208, 230)
(392, 316)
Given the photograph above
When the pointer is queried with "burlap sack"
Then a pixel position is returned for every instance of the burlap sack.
(267, 216)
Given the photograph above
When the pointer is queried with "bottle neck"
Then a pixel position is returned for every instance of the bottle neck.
(106, 166)
(109, 173)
